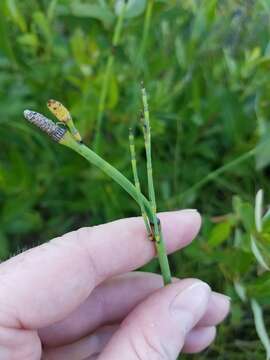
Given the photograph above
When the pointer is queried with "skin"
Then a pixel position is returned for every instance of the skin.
(75, 297)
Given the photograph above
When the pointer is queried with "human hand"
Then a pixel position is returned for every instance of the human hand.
(73, 298)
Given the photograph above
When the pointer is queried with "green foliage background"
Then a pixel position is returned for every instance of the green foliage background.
(205, 66)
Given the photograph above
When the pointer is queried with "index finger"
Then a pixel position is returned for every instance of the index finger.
(43, 285)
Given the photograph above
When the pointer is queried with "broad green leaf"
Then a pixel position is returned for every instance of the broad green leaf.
(260, 326)
(92, 11)
(259, 288)
(78, 46)
(235, 261)
(134, 7)
(29, 39)
(219, 233)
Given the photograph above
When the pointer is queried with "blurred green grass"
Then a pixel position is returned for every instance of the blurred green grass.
(205, 66)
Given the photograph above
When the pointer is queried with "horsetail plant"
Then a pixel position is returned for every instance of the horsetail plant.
(155, 222)
(65, 136)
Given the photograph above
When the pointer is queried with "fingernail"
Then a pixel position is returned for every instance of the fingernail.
(222, 297)
(190, 304)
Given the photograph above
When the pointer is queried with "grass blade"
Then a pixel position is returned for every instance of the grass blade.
(256, 252)
(260, 326)
(259, 210)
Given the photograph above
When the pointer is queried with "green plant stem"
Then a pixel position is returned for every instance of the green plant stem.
(107, 76)
(137, 181)
(146, 27)
(214, 174)
(163, 260)
(147, 143)
(158, 237)
(116, 175)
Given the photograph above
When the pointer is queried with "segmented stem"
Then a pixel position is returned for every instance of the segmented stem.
(137, 181)
(156, 226)
(147, 143)
(107, 76)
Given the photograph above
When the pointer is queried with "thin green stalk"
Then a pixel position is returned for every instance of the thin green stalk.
(137, 181)
(146, 27)
(163, 258)
(158, 238)
(107, 76)
(147, 143)
(214, 174)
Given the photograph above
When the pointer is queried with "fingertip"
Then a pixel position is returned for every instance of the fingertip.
(199, 339)
(192, 297)
(218, 309)
(222, 304)
(194, 221)
(180, 227)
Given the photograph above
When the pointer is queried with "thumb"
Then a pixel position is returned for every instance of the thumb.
(156, 329)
